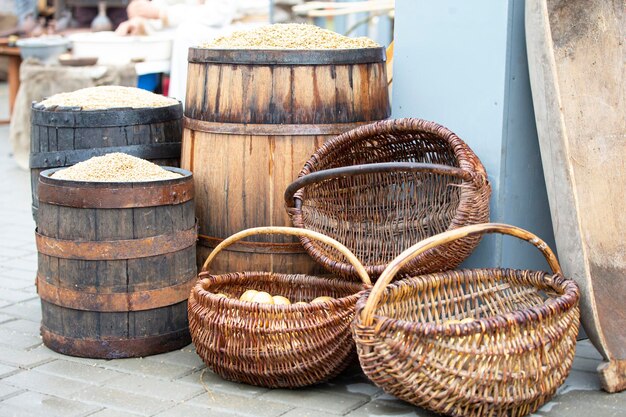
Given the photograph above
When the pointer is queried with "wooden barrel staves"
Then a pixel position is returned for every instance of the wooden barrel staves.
(252, 119)
(64, 136)
(116, 264)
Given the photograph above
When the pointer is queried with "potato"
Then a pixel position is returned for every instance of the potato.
(322, 299)
(263, 297)
(248, 295)
(221, 295)
(300, 303)
(280, 300)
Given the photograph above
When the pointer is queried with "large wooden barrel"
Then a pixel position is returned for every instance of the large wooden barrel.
(116, 264)
(252, 119)
(64, 136)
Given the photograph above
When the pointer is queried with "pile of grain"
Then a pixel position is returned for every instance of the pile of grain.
(115, 167)
(289, 36)
(107, 97)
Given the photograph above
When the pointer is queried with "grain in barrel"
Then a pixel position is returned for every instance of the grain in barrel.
(258, 104)
(116, 258)
(72, 127)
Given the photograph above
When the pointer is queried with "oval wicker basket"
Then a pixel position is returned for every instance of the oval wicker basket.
(273, 346)
(477, 342)
(383, 187)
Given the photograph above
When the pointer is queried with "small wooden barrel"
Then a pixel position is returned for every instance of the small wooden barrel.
(64, 136)
(116, 264)
(252, 119)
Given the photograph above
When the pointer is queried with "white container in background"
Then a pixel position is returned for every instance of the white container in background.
(113, 49)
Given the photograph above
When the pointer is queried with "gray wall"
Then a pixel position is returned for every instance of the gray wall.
(463, 64)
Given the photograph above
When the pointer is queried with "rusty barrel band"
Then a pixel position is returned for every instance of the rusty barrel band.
(115, 348)
(135, 196)
(166, 150)
(253, 247)
(110, 250)
(269, 129)
(113, 302)
(74, 117)
(259, 57)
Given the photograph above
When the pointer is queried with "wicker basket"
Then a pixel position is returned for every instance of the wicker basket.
(275, 345)
(383, 187)
(478, 342)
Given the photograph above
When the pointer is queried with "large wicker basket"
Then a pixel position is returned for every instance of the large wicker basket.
(275, 345)
(479, 342)
(383, 187)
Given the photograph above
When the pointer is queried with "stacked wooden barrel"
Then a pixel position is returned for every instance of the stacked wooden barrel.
(61, 137)
(252, 119)
(116, 264)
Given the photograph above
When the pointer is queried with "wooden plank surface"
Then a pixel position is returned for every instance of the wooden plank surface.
(576, 57)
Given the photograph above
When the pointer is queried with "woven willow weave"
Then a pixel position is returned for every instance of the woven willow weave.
(379, 213)
(480, 342)
(274, 345)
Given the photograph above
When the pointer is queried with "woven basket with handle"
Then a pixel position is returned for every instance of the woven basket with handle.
(275, 345)
(383, 187)
(479, 342)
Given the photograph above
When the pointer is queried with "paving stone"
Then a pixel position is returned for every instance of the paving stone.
(15, 296)
(27, 278)
(303, 412)
(589, 403)
(21, 263)
(153, 387)
(122, 400)
(6, 370)
(581, 380)
(188, 410)
(14, 339)
(79, 371)
(107, 412)
(351, 383)
(585, 349)
(146, 367)
(12, 411)
(22, 326)
(14, 283)
(317, 400)
(45, 384)
(7, 390)
(22, 358)
(43, 349)
(395, 409)
(5, 318)
(9, 253)
(44, 405)
(29, 310)
(216, 383)
(186, 356)
(585, 364)
(245, 406)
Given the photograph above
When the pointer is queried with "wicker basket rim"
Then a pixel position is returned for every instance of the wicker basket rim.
(462, 152)
(336, 303)
(567, 300)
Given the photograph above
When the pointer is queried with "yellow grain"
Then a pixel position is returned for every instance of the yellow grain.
(115, 167)
(289, 36)
(107, 97)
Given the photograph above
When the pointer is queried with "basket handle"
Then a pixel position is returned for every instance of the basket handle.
(293, 231)
(443, 238)
(349, 171)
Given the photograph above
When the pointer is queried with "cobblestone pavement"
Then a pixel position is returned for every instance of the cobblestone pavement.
(34, 381)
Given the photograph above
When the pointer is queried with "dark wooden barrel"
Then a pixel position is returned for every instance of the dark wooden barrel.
(252, 119)
(116, 264)
(64, 136)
